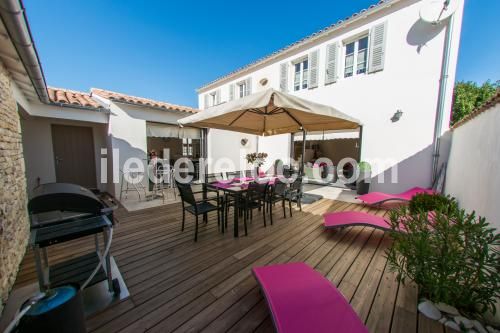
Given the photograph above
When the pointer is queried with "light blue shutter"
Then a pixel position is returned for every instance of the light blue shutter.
(231, 92)
(206, 103)
(377, 47)
(284, 77)
(331, 64)
(248, 86)
(313, 60)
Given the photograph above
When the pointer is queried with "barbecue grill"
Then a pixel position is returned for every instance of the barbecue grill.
(60, 202)
(62, 212)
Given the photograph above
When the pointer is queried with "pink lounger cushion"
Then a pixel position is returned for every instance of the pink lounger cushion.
(302, 300)
(379, 197)
(350, 219)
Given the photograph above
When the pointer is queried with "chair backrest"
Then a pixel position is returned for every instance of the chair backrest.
(212, 177)
(253, 191)
(262, 189)
(297, 185)
(227, 175)
(248, 173)
(279, 187)
(186, 193)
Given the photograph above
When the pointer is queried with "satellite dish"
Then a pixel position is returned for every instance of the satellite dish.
(436, 11)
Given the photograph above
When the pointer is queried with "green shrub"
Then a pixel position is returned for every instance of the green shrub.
(364, 167)
(424, 202)
(453, 256)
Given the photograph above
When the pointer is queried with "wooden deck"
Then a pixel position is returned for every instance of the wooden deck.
(178, 285)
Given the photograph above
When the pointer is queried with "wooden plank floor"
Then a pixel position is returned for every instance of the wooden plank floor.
(178, 285)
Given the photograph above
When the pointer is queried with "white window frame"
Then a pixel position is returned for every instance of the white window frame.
(242, 87)
(213, 98)
(355, 68)
(303, 77)
(187, 147)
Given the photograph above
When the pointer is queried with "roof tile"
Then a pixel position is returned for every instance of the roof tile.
(72, 98)
(119, 97)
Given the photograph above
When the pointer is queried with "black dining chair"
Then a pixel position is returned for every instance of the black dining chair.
(294, 193)
(277, 193)
(197, 207)
(256, 198)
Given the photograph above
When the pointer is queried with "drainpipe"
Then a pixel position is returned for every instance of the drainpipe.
(13, 16)
(443, 87)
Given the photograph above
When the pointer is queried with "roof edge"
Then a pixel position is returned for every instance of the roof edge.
(142, 101)
(13, 15)
(363, 14)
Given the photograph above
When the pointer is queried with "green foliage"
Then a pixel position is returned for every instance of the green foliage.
(469, 95)
(424, 202)
(453, 256)
(364, 166)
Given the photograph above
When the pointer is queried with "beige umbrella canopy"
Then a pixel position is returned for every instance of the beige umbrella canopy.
(271, 112)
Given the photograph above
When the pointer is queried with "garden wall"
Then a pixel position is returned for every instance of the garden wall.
(14, 226)
(473, 174)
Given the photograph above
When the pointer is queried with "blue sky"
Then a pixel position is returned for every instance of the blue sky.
(166, 49)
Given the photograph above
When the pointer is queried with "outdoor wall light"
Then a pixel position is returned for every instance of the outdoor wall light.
(397, 115)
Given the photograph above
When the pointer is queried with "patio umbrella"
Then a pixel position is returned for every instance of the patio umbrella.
(272, 112)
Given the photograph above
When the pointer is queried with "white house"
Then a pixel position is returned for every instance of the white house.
(378, 64)
(383, 65)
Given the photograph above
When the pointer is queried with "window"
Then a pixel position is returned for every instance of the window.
(241, 89)
(213, 98)
(300, 74)
(356, 55)
(187, 147)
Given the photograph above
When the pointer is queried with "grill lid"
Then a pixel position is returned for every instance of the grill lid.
(64, 197)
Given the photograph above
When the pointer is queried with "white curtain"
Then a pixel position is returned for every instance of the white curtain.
(327, 135)
(171, 131)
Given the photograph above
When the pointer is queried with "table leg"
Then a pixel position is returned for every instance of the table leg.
(236, 212)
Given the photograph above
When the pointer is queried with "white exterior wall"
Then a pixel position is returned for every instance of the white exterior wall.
(472, 174)
(226, 145)
(409, 82)
(127, 133)
(39, 153)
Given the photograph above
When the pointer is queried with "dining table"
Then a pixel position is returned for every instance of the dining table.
(237, 187)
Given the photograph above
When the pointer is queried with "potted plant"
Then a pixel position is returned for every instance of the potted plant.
(451, 255)
(256, 160)
(365, 174)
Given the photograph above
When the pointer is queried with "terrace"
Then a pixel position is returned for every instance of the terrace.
(178, 285)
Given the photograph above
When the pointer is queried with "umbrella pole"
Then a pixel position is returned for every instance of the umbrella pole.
(204, 146)
(303, 152)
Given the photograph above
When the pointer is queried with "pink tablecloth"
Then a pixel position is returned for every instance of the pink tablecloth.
(240, 182)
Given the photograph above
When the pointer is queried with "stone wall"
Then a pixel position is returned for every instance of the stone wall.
(14, 226)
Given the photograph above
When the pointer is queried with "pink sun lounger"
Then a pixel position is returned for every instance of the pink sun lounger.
(351, 219)
(302, 300)
(375, 198)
